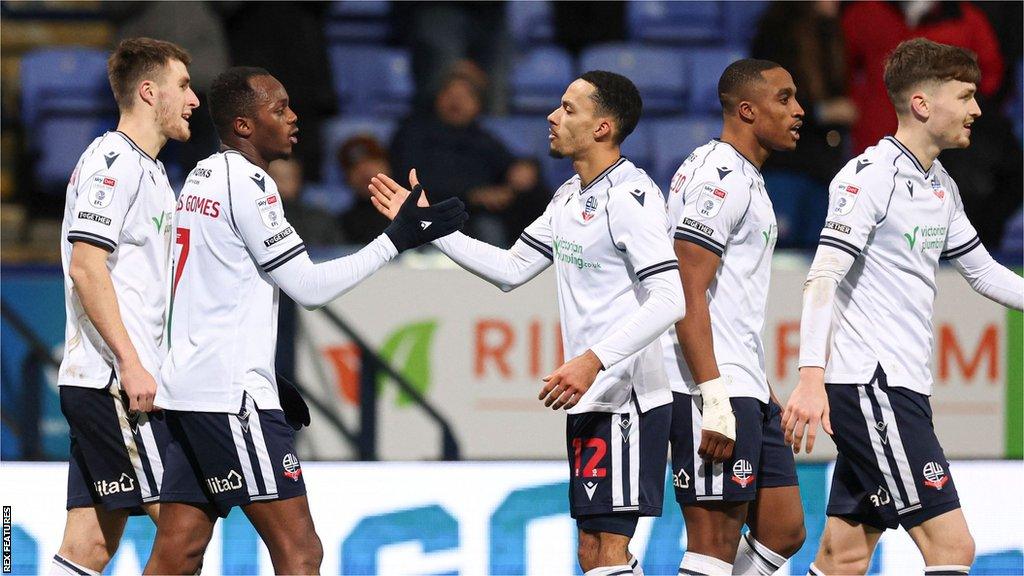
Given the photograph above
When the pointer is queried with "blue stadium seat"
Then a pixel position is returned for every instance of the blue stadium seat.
(637, 147)
(372, 80)
(530, 23)
(338, 130)
(539, 78)
(1012, 244)
(60, 142)
(706, 66)
(64, 81)
(672, 140)
(352, 21)
(664, 21)
(525, 136)
(659, 73)
(741, 20)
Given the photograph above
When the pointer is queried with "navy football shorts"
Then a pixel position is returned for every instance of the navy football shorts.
(617, 465)
(891, 470)
(231, 460)
(760, 458)
(116, 459)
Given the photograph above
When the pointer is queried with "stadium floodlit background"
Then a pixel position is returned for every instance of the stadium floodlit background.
(424, 363)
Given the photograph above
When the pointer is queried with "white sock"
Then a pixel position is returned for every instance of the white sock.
(950, 569)
(752, 558)
(814, 571)
(62, 567)
(635, 565)
(703, 565)
(620, 570)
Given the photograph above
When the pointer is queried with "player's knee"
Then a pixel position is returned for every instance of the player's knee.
(90, 549)
(845, 559)
(791, 539)
(714, 542)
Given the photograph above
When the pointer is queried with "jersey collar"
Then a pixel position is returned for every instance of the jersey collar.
(903, 149)
(602, 175)
(740, 154)
(134, 145)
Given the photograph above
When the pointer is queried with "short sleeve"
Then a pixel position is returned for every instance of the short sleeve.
(101, 208)
(961, 236)
(538, 234)
(710, 214)
(258, 215)
(855, 208)
(638, 224)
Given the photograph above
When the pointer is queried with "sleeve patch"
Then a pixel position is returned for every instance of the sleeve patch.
(278, 237)
(94, 217)
(710, 201)
(846, 197)
(699, 227)
(270, 211)
(843, 228)
(101, 191)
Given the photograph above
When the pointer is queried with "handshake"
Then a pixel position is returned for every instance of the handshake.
(414, 221)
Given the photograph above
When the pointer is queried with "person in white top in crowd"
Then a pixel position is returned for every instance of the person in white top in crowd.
(730, 462)
(607, 233)
(866, 330)
(115, 252)
(231, 422)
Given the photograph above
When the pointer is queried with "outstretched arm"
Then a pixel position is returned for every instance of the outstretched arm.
(990, 278)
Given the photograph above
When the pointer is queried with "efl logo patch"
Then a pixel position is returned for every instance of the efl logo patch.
(101, 192)
(710, 201)
(292, 469)
(270, 211)
(846, 197)
(934, 475)
(742, 473)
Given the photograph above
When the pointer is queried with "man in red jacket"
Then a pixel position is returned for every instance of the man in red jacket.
(874, 29)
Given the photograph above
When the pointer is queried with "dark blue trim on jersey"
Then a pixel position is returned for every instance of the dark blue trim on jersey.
(658, 268)
(738, 153)
(700, 240)
(602, 175)
(909, 154)
(57, 558)
(134, 145)
(962, 249)
(892, 191)
(94, 239)
(231, 205)
(280, 260)
(537, 245)
(843, 245)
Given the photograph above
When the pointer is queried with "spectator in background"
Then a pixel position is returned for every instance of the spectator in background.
(873, 29)
(807, 40)
(441, 34)
(287, 39)
(361, 158)
(456, 157)
(316, 227)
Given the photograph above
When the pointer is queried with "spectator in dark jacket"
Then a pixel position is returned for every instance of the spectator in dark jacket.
(362, 157)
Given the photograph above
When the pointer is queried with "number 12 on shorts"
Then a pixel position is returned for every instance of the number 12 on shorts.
(599, 447)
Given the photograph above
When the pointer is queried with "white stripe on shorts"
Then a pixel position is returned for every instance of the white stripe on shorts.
(896, 443)
(243, 452)
(634, 456)
(698, 463)
(262, 454)
(876, 445)
(616, 479)
(129, 444)
(152, 453)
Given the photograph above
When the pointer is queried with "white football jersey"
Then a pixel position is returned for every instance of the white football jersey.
(718, 201)
(231, 232)
(603, 240)
(119, 199)
(897, 219)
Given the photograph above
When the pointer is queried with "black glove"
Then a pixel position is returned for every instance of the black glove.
(415, 225)
(296, 412)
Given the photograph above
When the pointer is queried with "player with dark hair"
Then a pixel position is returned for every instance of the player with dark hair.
(607, 234)
(730, 463)
(115, 251)
(231, 422)
(866, 329)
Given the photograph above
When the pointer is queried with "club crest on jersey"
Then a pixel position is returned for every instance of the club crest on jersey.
(270, 211)
(291, 466)
(101, 193)
(934, 475)
(937, 189)
(742, 473)
(710, 201)
(590, 208)
(846, 197)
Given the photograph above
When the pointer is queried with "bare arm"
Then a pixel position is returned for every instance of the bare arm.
(92, 283)
(697, 268)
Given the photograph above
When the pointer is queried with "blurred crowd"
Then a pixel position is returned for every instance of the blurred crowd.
(462, 57)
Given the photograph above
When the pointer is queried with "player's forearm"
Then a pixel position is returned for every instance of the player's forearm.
(315, 285)
(506, 269)
(829, 267)
(95, 291)
(991, 279)
(664, 306)
(696, 339)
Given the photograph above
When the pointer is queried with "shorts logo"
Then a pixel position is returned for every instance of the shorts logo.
(881, 426)
(590, 208)
(233, 481)
(123, 484)
(742, 473)
(934, 475)
(846, 196)
(590, 487)
(624, 424)
(681, 479)
(881, 498)
(243, 418)
(710, 201)
(102, 191)
(291, 466)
